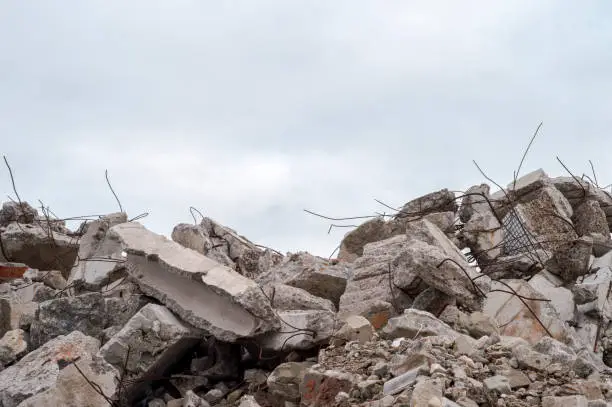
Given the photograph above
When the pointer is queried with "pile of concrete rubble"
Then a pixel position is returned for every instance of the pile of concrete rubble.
(475, 300)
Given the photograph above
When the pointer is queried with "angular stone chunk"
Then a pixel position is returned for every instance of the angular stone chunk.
(516, 320)
(17, 212)
(39, 247)
(149, 343)
(414, 322)
(39, 370)
(311, 273)
(84, 313)
(571, 259)
(285, 297)
(474, 201)
(439, 201)
(323, 323)
(202, 292)
(99, 247)
(13, 345)
(354, 241)
(72, 390)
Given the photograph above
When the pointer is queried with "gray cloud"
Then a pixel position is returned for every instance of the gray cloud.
(253, 111)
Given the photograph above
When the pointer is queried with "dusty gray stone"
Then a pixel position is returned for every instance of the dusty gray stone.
(193, 400)
(590, 218)
(102, 249)
(202, 292)
(571, 259)
(17, 212)
(531, 359)
(39, 370)
(354, 241)
(475, 200)
(496, 385)
(52, 278)
(119, 310)
(13, 345)
(153, 338)
(433, 301)
(584, 293)
(248, 401)
(313, 274)
(354, 328)
(285, 298)
(439, 201)
(552, 288)
(284, 382)
(516, 266)
(287, 339)
(369, 292)
(39, 247)
(565, 401)
(72, 390)
(17, 302)
(414, 322)
(61, 316)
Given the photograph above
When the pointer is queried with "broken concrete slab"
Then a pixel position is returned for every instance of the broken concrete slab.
(483, 234)
(51, 278)
(16, 302)
(439, 201)
(590, 218)
(38, 247)
(13, 346)
(354, 328)
(17, 212)
(570, 259)
(320, 387)
(301, 330)
(381, 278)
(61, 316)
(516, 266)
(39, 370)
(73, 387)
(148, 345)
(202, 292)
(543, 221)
(413, 323)
(551, 287)
(431, 264)
(354, 241)
(284, 297)
(313, 274)
(516, 319)
(100, 253)
(474, 200)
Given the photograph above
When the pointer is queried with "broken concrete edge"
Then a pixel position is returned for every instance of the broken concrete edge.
(252, 299)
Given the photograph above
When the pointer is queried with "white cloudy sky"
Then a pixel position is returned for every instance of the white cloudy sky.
(253, 111)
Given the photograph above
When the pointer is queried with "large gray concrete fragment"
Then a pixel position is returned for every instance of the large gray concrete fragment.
(306, 322)
(551, 287)
(483, 234)
(590, 218)
(22, 213)
(284, 381)
(354, 241)
(84, 313)
(285, 298)
(474, 200)
(413, 323)
(381, 276)
(100, 259)
(38, 247)
(571, 259)
(39, 370)
(516, 266)
(314, 274)
(542, 222)
(439, 201)
(201, 291)
(431, 265)
(75, 387)
(13, 345)
(16, 302)
(518, 320)
(149, 344)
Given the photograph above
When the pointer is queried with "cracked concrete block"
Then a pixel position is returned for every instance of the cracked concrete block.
(202, 292)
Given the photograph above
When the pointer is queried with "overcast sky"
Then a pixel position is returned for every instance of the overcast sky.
(252, 111)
